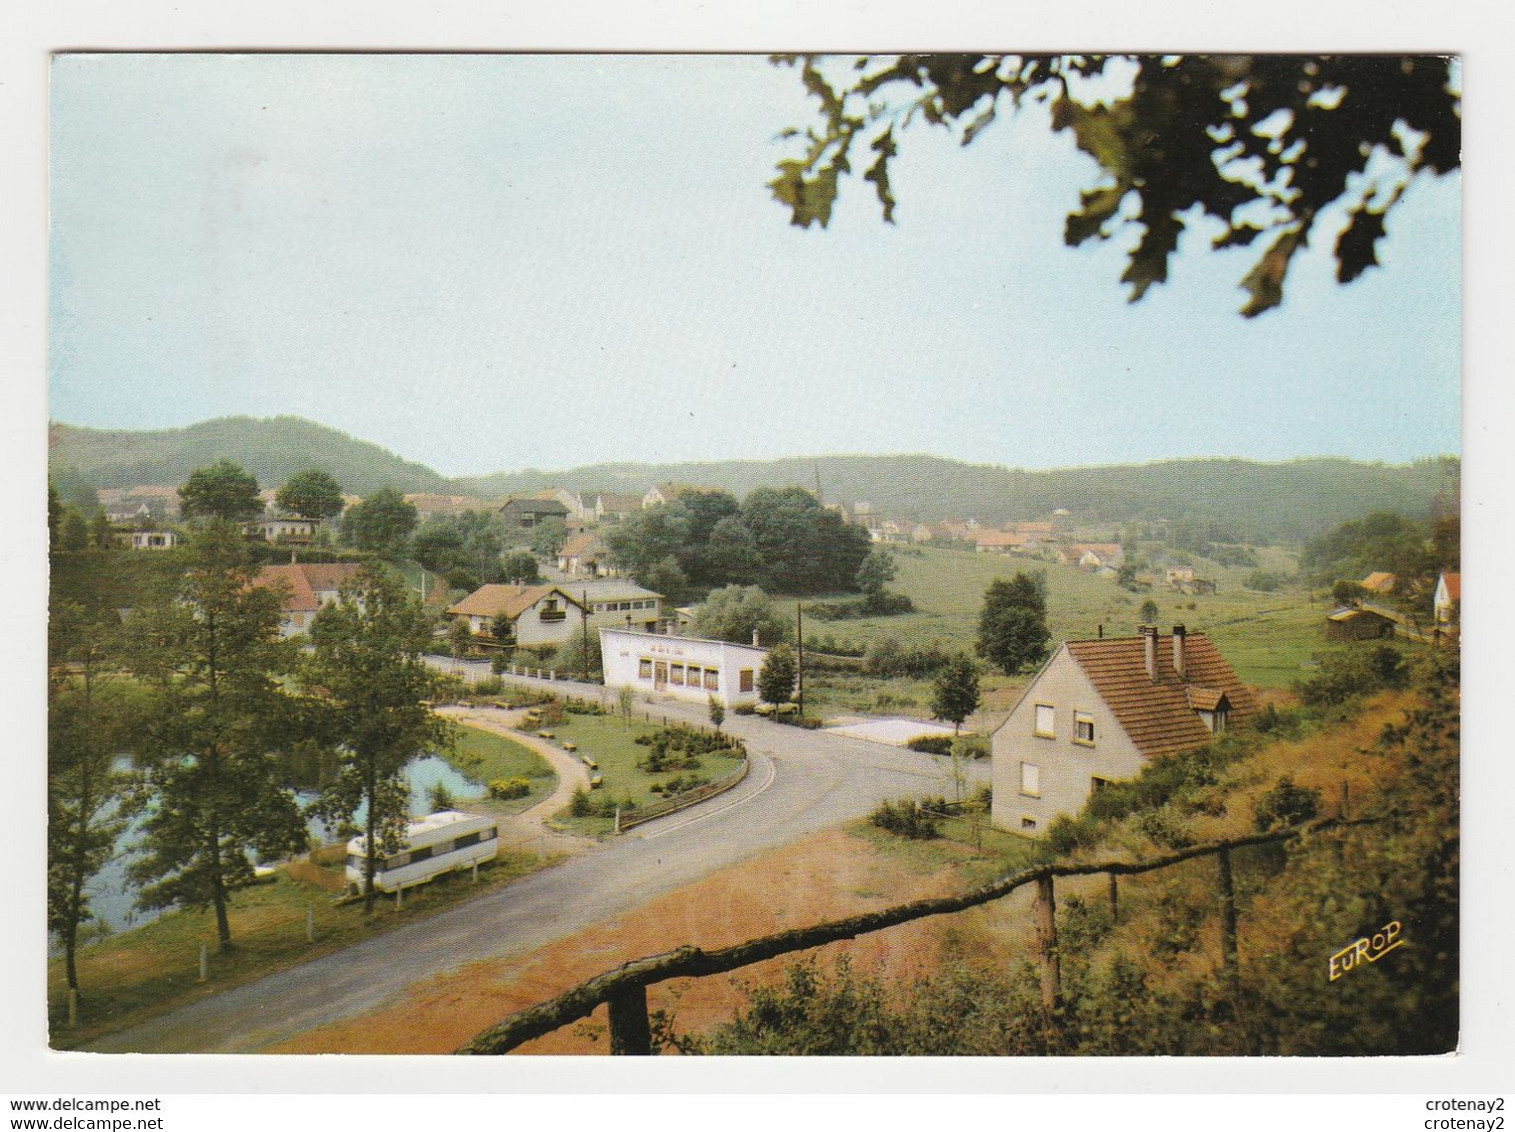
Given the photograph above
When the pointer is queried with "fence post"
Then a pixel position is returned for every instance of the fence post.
(1046, 940)
(1227, 917)
(630, 1031)
(1114, 885)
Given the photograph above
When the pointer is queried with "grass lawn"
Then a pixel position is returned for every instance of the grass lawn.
(981, 852)
(484, 756)
(133, 975)
(610, 742)
(1266, 636)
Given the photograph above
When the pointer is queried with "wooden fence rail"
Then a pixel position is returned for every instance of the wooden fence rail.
(625, 987)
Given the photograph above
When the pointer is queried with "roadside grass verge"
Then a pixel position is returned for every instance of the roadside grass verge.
(978, 850)
(611, 742)
(484, 756)
(131, 976)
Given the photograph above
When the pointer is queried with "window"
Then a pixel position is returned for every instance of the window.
(644, 668)
(421, 854)
(1098, 784)
(676, 674)
(1083, 728)
(1028, 823)
(712, 680)
(1031, 780)
(744, 680)
(466, 840)
(1045, 726)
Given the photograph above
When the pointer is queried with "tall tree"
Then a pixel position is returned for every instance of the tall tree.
(220, 491)
(736, 612)
(312, 494)
(382, 523)
(1266, 144)
(776, 677)
(89, 798)
(955, 694)
(212, 730)
(1012, 627)
(372, 684)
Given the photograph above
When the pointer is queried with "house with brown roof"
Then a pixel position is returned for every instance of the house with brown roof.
(614, 506)
(1099, 711)
(1359, 621)
(1378, 582)
(307, 587)
(998, 542)
(522, 514)
(585, 555)
(538, 615)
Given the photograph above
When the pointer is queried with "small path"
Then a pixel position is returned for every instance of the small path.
(572, 775)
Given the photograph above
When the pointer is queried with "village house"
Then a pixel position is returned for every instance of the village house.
(1360, 622)
(617, 603)
(1379, 582)
(1447, 602)
(145, 538)
(1095, 556)
(685, 668)
(522, 514)
(1099, 711)
(998, 542)
(128, 504)
(307, 587)
(287, 530)
(585, 555)
(538, 615)
(616, 506)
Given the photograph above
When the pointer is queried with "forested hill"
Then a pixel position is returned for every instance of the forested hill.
(270, 448)
(1261, 503)
(1244, 501)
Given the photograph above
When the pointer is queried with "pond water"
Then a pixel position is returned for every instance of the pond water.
(112, 897)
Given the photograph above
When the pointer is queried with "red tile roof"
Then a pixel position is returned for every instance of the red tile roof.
(302, 581)
(1454, 585)
(1158, 717)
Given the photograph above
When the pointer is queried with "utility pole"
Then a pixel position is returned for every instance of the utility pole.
(799, 658)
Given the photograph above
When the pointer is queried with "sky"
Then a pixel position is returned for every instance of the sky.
(488, 263)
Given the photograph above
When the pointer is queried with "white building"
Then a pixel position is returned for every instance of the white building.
(686, 668)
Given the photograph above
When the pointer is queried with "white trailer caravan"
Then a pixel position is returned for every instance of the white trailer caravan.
(436, 844)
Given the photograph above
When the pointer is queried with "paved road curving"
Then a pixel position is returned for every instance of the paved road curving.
(801, 781)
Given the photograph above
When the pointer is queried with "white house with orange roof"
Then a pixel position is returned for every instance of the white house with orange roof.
(538, 615)
(307, 587)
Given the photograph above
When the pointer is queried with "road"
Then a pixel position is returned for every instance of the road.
(800, 781)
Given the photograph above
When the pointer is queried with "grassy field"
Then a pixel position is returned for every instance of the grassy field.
(485, 756)
(610, 742)
(1267, 636)
(132, 975)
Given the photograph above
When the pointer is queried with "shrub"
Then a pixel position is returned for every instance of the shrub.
(552, 714)
(1351, 673)
(906, 818)
(971, 747)
(506, 788)
(931, 744)
(439, 797)
(1286, 805)
(489, 686)
(582, 805)
(744, 709)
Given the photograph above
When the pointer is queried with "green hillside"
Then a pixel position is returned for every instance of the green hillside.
(1225, 500)
(1262, 504)
(271, 448)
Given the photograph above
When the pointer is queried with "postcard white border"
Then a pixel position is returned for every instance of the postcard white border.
(1480, 32)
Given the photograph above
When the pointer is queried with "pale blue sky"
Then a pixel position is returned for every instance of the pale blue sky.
(493, 262)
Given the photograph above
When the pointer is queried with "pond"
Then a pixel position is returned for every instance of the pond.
(112, 897)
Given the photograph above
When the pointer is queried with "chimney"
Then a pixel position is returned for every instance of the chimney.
(1178, 652)
(1149, 650)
